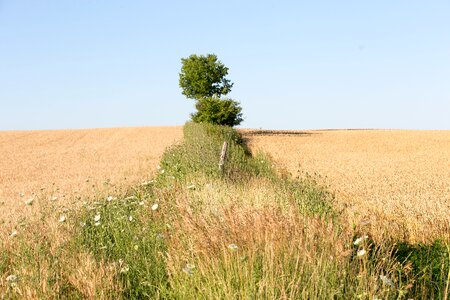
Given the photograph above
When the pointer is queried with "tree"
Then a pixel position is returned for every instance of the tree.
(204, 76)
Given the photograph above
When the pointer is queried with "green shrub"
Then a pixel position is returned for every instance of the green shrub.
(217, 111)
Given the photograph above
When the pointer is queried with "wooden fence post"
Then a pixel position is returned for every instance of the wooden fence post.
(223, 156)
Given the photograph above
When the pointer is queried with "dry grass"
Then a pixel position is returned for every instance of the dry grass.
(74, 164)
(398, 180)
(272, 237)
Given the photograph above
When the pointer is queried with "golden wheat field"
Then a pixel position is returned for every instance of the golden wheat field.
(62, 165)
(397, 181)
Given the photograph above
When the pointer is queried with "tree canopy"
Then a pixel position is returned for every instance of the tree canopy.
(204, 76)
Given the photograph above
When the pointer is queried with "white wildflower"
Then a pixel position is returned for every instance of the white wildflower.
(124, 269)
(232, 247)
(189, 269)
(136, 247)
(358, 241)
(97, 224)
(82, 224)
(130, 218)
(62, 218)
(141, 203)
(386, 280)
(361, 252)
(155, 206)
(123, 266)
(110, 198)
(29, 201)
(11, 278)
(162, 171)
(13, 233)
(97, 217)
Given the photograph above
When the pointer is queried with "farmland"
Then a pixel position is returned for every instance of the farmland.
(69, 165)
(179, 228)
(396, 180)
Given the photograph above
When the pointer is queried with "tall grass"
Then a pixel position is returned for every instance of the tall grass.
(196, 232)
(129, 235)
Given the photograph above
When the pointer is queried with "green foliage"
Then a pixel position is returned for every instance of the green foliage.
(203, 76)
(430, 265)
(311, 198)
(200, 152)
(124, 232)
(218, 111)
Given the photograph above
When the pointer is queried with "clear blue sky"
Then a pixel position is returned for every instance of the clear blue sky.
(294, 64)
